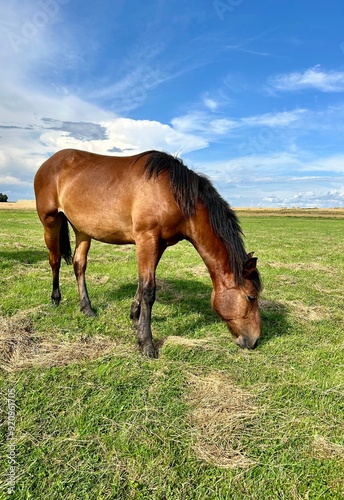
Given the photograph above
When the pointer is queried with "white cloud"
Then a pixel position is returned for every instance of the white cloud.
(140, 135)
(203, 124)
(210, 103)
(39, 116)
(319, 198)
(277, 119)
(291, 166)
(212, 126)
(252, 166)
(279, 180)
(312, 78)
(25, 106)
(333, 164)
(9, 180)
(127, 136)
(35, 125)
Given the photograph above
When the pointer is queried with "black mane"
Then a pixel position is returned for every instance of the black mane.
(189, 187)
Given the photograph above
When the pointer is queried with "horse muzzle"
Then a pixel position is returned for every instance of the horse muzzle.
(246, 337)
(247, 342)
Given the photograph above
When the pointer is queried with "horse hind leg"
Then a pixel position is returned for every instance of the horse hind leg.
(52, 227)
(83, 243)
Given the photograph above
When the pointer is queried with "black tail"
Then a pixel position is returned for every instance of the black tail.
(65, 248)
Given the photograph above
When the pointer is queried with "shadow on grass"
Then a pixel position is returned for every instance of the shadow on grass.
(192, 300)
(274, 320)
(26, 256)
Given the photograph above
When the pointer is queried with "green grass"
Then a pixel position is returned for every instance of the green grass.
(96, 420)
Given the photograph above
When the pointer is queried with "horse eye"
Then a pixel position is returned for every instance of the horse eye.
(250, 298)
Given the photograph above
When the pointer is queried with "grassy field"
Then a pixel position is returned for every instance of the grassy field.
(95, 420)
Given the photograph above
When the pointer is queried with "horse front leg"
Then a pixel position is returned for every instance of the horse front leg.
(149, 251)
(136, 307)
(82, 247)
(143, 324)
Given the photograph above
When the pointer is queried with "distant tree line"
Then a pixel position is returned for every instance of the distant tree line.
(3, 197)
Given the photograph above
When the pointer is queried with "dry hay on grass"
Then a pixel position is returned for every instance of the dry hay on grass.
(308, 313)
(219, 417)
(324, 449)
(296, 307)
(21, 347)
(205, 343)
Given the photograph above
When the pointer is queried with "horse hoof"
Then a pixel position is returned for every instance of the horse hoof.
(88, 312)
(55, 298)
(150, 352)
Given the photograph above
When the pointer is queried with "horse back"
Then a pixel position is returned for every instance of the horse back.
(105, 197)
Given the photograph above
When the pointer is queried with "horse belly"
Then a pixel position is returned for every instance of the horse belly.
(115, 234)
(99, 221)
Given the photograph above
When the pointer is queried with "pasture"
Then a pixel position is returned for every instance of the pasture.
(94, 419)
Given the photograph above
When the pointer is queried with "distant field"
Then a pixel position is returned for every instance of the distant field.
(19, 205)
(291, 212)
(96, 420)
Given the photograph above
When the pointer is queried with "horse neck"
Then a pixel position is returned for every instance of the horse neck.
(210, 247)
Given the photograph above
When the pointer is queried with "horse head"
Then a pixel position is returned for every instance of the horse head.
(238, 306)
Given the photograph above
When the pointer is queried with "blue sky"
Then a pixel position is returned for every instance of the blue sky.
(249, 93)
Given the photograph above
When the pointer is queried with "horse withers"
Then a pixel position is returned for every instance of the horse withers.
(151, 200)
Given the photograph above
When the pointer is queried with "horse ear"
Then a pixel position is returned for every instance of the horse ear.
(250, 255)
(250, 265)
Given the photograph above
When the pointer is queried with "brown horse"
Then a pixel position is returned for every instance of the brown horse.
(153, 201)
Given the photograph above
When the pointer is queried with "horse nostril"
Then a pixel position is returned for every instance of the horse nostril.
(245, 343)
(255, 344)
